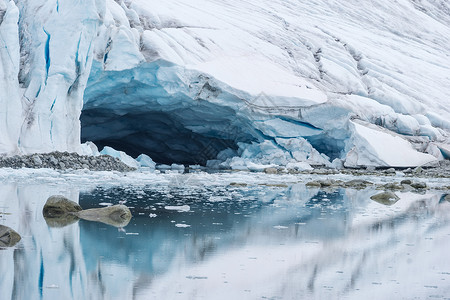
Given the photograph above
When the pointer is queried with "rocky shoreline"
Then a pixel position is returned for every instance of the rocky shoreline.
(65, 161)
(74, 161)
(438, 170)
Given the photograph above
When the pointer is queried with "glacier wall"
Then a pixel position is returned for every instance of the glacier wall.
(252, 84)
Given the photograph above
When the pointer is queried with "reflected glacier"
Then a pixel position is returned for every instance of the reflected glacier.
(239, 241)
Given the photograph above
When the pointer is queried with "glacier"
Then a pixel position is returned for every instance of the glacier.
(231, 84)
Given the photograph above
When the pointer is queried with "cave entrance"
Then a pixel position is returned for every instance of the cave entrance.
(163, 136)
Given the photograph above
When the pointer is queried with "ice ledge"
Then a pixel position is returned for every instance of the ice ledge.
(374, 146)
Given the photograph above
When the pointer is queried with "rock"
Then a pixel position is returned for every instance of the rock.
(392, 186)
(324, 183)
(386, 198)
(418, 170)
(59, 211)
(390, 171)
(357, 184)
(275, 185)
(313, 184)
(406, 181)
(293, 171)
(8, 237)
(447, 198)
(270, 171)
(238, 184)
(37, 160)
(419, 185)
(58, 206)
(323, 171)
(327, 182)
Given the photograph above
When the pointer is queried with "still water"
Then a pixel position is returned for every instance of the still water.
(207, 241)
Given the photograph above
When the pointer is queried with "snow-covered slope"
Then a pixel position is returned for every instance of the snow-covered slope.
(246, 82)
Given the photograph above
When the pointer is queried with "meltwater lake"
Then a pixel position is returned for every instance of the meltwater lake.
(206, 237)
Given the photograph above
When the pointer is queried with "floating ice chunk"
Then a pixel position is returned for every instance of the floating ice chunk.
(257, 167)
(302, 151)
(214, 163)
(195, 167)
(300, 166)
(125, 158)
(216, 199)
(89, 148)
(179, 225)
(145, 161)
(337, 163)
(163, 167)
(280, 227)
(177, 167)
(182, 208)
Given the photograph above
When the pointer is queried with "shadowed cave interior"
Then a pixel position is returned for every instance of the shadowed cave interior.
(162, 135)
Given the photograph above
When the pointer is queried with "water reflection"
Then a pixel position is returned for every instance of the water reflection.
(227, 241)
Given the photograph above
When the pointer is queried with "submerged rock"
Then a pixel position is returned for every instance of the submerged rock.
(386, 198)
(8, 237)
(59, 211)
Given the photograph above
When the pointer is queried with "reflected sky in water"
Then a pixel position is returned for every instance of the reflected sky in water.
(228, 242)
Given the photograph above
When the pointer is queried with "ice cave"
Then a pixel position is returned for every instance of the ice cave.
(192, 86)
(170, 127)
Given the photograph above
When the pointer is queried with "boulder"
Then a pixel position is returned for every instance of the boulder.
(59, 211)
(386, 198)
(58, 206)
(419, 185)
(357, 184)
(406, 181)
